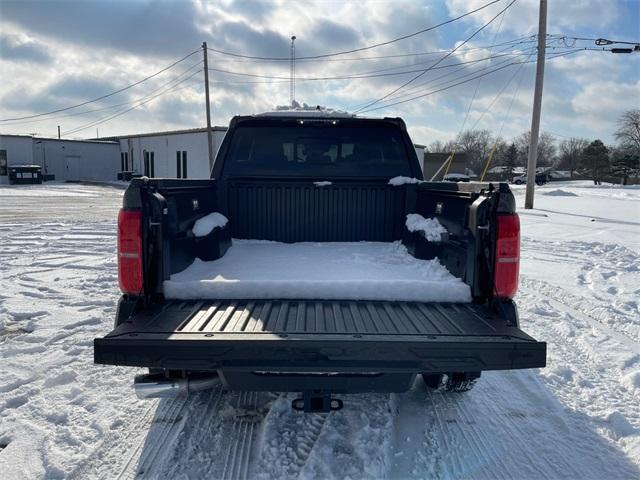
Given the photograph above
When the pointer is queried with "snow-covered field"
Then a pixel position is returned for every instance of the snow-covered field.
(61, 416)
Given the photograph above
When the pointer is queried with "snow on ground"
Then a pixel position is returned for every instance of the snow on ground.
(255, 269)
(63, 417)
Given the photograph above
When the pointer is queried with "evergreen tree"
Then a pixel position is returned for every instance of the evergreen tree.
(511, 160)
(595, 159)
(625, 162)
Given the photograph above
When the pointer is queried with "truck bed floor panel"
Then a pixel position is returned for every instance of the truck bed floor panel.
(347, 335)
(255, 269)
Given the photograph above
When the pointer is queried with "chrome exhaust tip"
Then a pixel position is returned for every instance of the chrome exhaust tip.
(159, 386)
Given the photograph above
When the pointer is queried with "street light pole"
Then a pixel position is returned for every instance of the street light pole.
(537, 106)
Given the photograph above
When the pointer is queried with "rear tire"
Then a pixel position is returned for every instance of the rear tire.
(451, 382)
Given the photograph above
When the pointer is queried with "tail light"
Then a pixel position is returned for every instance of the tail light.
(507, 266)
(130, 251)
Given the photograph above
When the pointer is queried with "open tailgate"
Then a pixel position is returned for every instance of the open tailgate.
(320, 336)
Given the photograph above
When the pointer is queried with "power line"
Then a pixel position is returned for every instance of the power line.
(465, 81)
(104, 96)
(420, 86)
(506, 85)
(369, 74)
(106, 119)
(475, 92)
(513, 42)
(435, 64)
(368, 47)
(109, 107)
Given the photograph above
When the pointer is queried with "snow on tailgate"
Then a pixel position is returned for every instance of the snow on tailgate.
(254, 269)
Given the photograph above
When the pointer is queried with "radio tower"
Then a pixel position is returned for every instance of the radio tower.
(292, 71)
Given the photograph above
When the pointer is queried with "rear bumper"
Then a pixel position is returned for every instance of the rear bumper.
(333, 345)
(308, 353)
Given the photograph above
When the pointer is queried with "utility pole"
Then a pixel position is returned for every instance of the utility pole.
(537, 106)
(292, 72)
(206, 95)
(58, 132)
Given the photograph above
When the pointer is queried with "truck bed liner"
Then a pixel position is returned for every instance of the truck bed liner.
(280, 335)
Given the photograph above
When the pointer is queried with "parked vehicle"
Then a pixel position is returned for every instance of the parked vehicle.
(541, 179)
(194, 311)
(25, 174)
(456, 177)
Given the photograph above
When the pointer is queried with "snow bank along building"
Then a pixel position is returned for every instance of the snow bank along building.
(170, 154)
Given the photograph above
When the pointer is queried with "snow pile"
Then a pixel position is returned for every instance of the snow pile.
(398, 181)
(257, 269)
(322, 184)
(560, 193)
(632, 380)
(205, 225)
(306, 110)
(431, 228)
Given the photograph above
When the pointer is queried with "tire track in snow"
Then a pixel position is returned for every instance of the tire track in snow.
(589, 380)
(114, 448)
(480, 446)
(601, 312)
(298, 434)
(239, 453)
(147, 451)
(597, 368)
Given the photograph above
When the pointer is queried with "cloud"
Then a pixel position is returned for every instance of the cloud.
(85, 49)
(522, 16)
(16, 48)
(598, 112)
(160, 28)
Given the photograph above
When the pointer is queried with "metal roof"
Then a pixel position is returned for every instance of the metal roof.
(169, 132)
(54, 139)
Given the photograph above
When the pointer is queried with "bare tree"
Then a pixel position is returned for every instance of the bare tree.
(476, 144)
(570, 153)
(628, 133)
(438, 146)
(546, 149)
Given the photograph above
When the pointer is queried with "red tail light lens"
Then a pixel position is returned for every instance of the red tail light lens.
(507, 267)
(130, 251)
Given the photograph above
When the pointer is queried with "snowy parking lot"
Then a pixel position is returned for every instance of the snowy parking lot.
(61, 416)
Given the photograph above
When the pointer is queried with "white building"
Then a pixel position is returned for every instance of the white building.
(61, 160)
(179, 153)
(173, 154)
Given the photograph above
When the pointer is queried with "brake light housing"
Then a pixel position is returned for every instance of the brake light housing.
(507, 258)
(130, 252)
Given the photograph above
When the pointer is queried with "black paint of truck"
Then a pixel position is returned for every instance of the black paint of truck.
(318, 347)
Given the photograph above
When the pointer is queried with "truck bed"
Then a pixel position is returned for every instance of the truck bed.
(279, 337)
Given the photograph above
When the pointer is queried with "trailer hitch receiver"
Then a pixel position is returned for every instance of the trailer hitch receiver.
(316, 401)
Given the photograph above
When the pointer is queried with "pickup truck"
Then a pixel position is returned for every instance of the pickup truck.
(295, 269)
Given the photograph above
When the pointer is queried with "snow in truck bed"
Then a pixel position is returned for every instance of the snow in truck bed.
(257, 269)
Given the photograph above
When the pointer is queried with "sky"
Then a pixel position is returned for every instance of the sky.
(57, 54)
